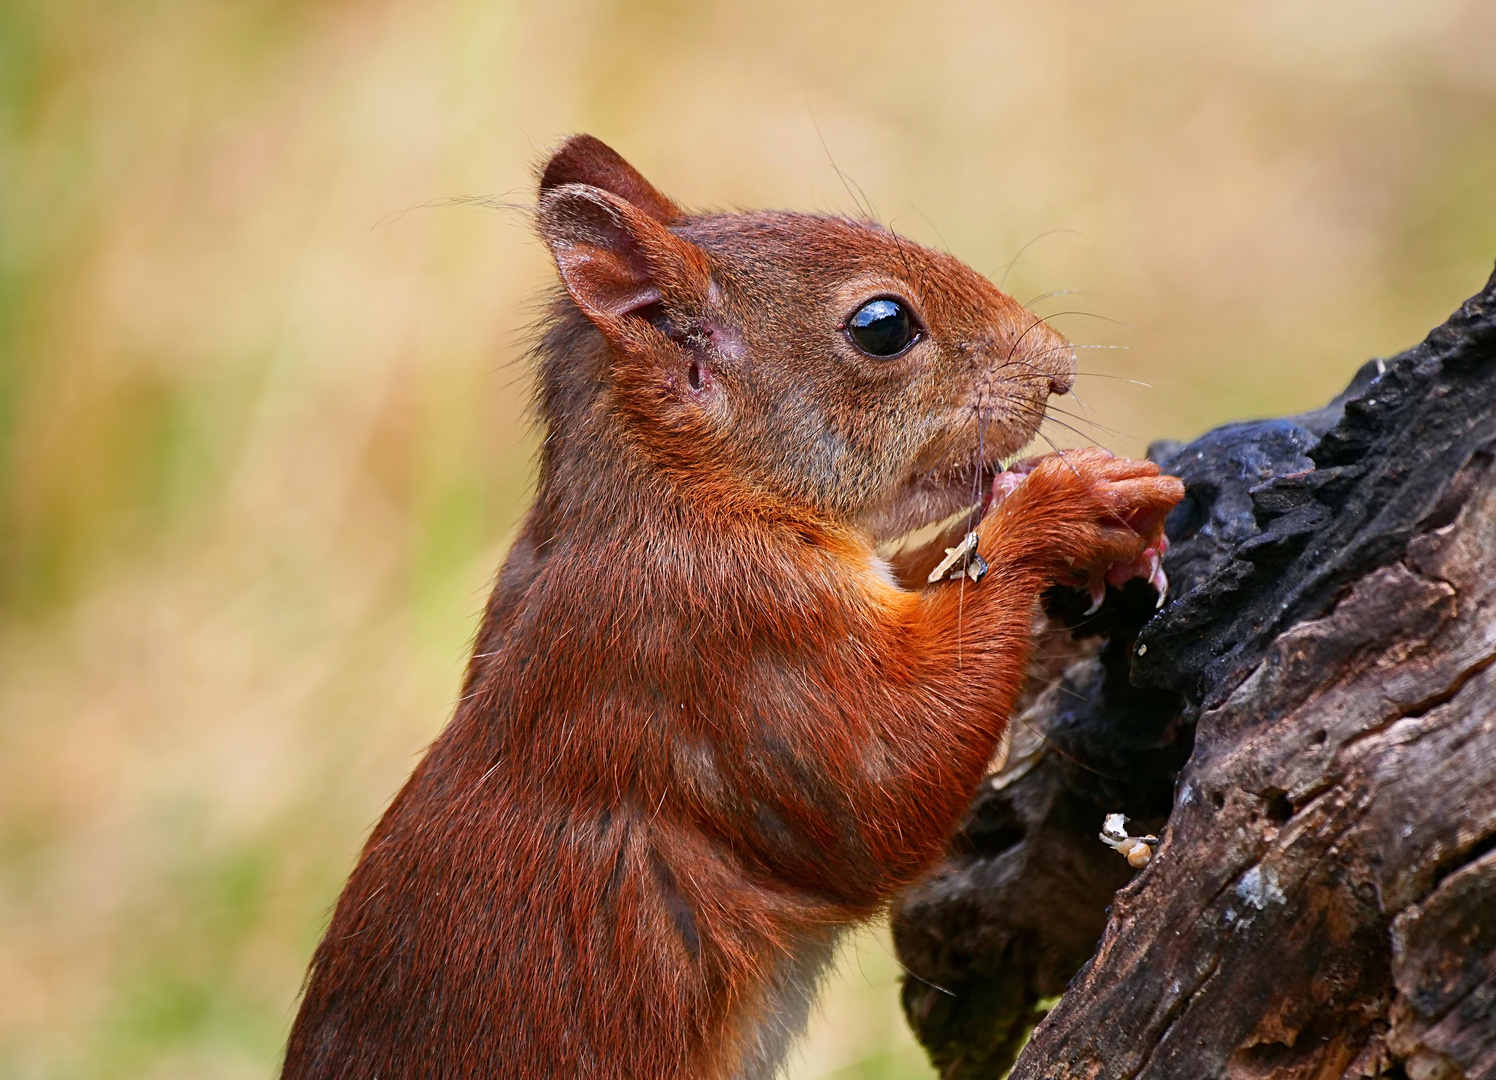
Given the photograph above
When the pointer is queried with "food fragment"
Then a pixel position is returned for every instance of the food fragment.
(1137, 850)
(971, 566)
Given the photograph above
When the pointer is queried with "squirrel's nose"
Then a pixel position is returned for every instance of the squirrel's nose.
(1061, 384)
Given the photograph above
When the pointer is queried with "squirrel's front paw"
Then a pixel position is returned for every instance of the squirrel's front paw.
(1100, 517)
(1149, 566)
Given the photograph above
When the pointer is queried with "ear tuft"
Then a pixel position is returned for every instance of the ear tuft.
(585, 159)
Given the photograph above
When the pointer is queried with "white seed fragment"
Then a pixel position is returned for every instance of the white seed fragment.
(953, 555)
(1137, 850)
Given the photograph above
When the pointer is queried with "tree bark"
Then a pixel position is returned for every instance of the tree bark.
(1309, 724)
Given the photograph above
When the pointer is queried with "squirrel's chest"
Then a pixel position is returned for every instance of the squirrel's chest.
(788, 998)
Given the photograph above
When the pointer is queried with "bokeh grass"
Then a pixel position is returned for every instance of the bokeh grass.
(262, 384)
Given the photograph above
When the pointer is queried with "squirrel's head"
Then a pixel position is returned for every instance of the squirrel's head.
(811, 359)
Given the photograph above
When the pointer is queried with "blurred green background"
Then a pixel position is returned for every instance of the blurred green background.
(262, 437)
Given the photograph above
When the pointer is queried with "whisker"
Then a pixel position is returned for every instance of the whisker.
(1083, 406)
(1059, 453)
(1014, 260)
(1042, 413)
(485, 202)
(1117, 378)
(847, 182)
(1038, 321)
(1060, 292)
(1050, 743)
(976, 472)
(1038, 371)
(1072, 345)
(1118, 518)
(1077, 431)
(1090, 315)
(1103, 428)
(946, 247)
(1036, 408)
(976, 504)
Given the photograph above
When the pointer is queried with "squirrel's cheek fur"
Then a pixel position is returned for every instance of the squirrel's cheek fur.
(705, 725)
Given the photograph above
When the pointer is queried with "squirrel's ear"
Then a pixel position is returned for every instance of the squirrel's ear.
(583, 159)
(614, 259)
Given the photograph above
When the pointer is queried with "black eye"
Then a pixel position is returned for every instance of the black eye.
(882, 328)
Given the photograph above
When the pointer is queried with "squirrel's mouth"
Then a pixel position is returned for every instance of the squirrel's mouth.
(953, 472)
(933, 497)
(952, 477)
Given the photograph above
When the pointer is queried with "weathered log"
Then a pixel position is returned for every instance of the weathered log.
(1310, 726)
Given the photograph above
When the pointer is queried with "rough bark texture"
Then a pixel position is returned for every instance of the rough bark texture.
(1310, 726)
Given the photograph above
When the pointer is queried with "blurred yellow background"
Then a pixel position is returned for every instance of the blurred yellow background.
(262, 390)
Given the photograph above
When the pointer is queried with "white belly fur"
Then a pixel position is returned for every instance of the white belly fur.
(789, 999)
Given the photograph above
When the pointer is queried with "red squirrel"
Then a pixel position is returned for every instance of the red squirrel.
(705, 726)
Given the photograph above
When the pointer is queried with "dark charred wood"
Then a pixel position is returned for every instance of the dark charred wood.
(1310, 726)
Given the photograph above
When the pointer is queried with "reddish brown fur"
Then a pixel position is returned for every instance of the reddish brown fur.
(703, 727)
